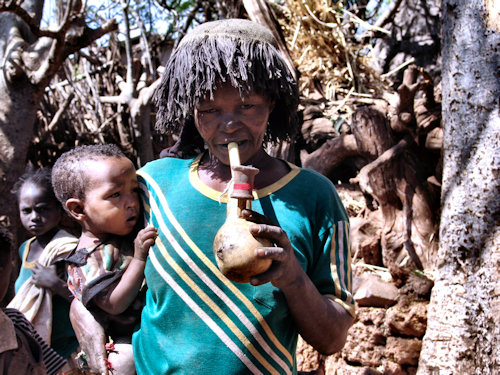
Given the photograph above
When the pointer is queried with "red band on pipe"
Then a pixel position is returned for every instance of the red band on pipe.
(243, 187)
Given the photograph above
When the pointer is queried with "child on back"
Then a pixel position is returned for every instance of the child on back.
(98, 187)
(41, 291)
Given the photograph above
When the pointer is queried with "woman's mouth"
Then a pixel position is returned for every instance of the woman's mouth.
(240, 143)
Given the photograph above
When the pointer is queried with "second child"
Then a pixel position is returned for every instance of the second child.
(41, 291)
(98, 187)
(22, 349)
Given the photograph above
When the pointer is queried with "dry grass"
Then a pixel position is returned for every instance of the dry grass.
(321, 39)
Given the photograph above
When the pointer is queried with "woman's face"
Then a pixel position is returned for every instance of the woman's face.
(230, 118)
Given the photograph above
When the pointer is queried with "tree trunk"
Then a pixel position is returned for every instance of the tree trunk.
(140, 110)
(17, 115)
(18, 105)
(463, 332)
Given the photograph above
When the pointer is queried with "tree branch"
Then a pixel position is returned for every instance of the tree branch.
(145, 44)
(116, 99)
(61, 49)
(16, 8)
(88, 36)
(330, 154)
(389, 14)
(189, 20)
(57, 116)
(146, 94)
(128, 89)
(404, 120)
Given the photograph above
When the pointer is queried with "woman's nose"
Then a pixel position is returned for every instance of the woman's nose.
(229, 122)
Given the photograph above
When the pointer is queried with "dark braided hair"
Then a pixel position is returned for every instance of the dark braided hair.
(70, 173)
(238, 51)
(36, 176)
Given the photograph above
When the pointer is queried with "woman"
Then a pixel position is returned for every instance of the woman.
(227, 81)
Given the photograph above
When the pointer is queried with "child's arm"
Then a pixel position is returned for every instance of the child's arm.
(46, 277)
(117, 299)
(90, 335)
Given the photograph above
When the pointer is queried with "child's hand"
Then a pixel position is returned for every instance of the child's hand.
(143, 242)
(45, 277)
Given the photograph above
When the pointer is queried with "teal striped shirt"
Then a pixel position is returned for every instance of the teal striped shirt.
(195, 320)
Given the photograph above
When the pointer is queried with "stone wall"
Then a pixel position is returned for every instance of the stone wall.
(386, 337)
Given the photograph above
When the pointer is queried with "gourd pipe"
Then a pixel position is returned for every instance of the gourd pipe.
(234, 246)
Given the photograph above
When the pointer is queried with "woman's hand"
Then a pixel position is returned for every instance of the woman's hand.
(143, 242)
(285, 270)
(256, 218)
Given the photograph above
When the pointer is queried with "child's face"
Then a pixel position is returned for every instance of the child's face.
(38, 211)
(111, 203)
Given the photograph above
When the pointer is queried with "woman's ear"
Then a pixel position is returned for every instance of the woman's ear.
(75, 207)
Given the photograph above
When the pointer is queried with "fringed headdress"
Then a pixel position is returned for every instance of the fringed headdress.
(238, 51)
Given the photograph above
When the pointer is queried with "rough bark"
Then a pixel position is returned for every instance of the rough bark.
(463, 335)
(18, 106)
(398, 160)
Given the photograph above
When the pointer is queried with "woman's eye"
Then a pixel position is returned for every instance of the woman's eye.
(114, 195)
(207, 111)
(25, 211)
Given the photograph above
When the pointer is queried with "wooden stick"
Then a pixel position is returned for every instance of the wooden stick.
(234, 155)
(234, 159)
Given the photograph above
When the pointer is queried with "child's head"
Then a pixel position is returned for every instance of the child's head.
(98, 187)
(238, 51)
(39, 209)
